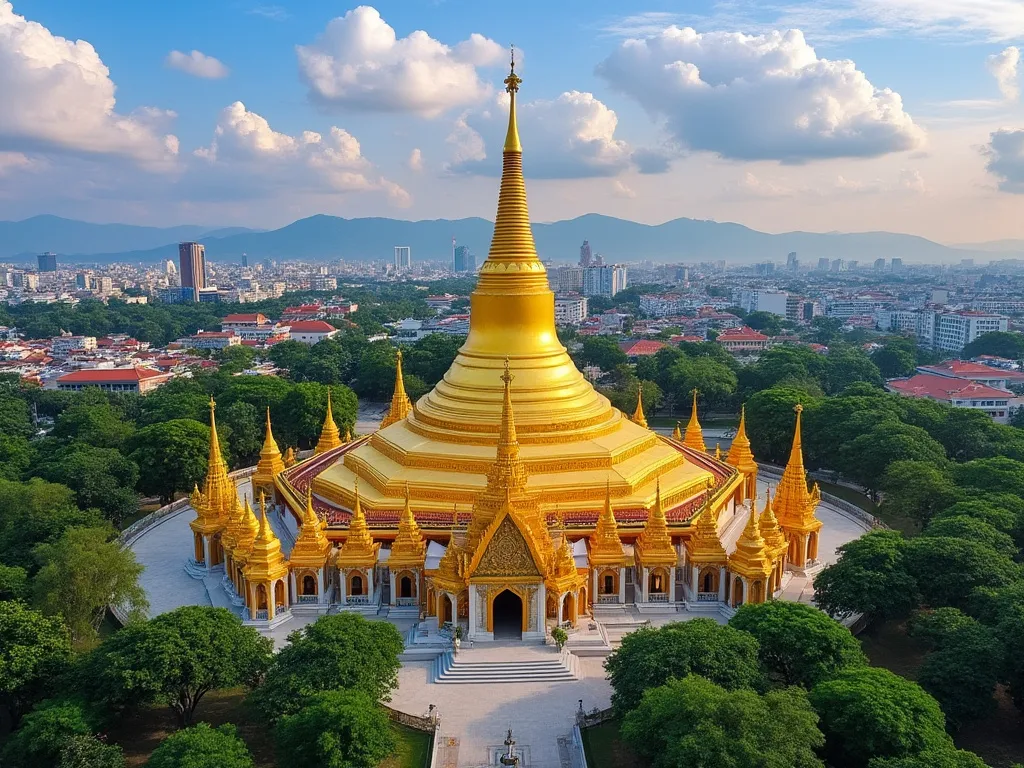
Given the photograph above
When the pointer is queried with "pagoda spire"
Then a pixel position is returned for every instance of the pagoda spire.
(265, 560)
(329, 435)
(400, 405)
(694, 435)
(638, 415)
(654, 546)
(751, 559)
(271, 463)
(409, 548)
(773, 536)
(605, 544)
(218, 490)
(311, 546)
(741, 457)
(248, 529)
(792, 497)
(359, 548)
(507, 472)
(677, 434)
(289, 457)
(705, 546)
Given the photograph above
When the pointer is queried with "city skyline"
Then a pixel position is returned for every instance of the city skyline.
(804, 117)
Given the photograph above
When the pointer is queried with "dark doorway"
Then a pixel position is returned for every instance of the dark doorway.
(405, 587)
(508, 616)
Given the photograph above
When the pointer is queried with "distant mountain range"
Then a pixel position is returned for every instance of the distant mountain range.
(322, 238)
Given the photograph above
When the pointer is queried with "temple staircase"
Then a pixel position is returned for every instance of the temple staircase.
(522, 664)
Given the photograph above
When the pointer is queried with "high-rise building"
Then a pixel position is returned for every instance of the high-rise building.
(192, 266)
(765, 268)
(879, 265)
(823, 264)
(792, 263)
(464, 260)
(403, 258)
(245, 261)
(169, 268)
(83, 281)
(47, 262)
(585, 254)
(605, 280)
(897, 265)
(838, 265)
(762, 301)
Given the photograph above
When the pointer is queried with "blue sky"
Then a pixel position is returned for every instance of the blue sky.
(835, 114)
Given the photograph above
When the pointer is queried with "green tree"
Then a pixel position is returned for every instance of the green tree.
(15, 417)
(949, 757)
(261, 392)
(714, 380)
(770, 421)
(336, 651)
(869, 712)
(100, 477)
(826, 330)
(34, 652)
(432, 356)
(894, 360)
(35, 512)
(962, 673)
(916, 489)
(89, 752)
(43, 734)
(81, 575)
(766, 322)
(602, 351)
(180, 398)
(304, 409)
(175, 658)
(235, 359)
(693, 722)
(995, 474)
(866, 458)
(1010, 633)
(981, 509)
(797, 643)
(246, 425)
(997, 343)
(15, 456)
(870, 577)
(964, 527)
(935, 626)
(947, 570)
(171, 456)
(849, 365)
(649, 657)
(98, 424)
(202, 746)
(290, 354)
(336, 729)
(375, 379)
(13, 582)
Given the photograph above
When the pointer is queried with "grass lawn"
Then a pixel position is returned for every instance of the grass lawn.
(141, 733)
(604, 749)
(998, 739)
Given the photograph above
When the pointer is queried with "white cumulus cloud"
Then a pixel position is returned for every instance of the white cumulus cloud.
(359, 62)
(415, 161)
(56, 94)
(759, 97)
(246, 150)
(197, 64)
(572, 136)
(1005, 153)
(1003, 67)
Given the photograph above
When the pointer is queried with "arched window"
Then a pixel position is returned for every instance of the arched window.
(308, 585)
(405, 587)
(709, 583)
(609, 584)
(357, 586)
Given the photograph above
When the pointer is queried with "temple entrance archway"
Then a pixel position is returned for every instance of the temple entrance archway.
(405, 587)
(507, 613)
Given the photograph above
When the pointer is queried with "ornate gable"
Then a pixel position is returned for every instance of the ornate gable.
(507, 553)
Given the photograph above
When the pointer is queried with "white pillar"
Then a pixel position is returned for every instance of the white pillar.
(593, 587)
(206, 552)
(561, 602)
(622, 585)
(371, 590)
(542, 604)
(643, 585)
(322, 592)
(293, 585)
(391, 576)
(473, 629)
(695, 581)
(343, 586)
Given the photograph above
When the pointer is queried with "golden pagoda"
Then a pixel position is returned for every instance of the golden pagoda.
(265, 571)
(248, 529)
(605, 545)
(752, 562)
(409, 548)
(400, 405)
(289, 457)
(677, 433)
(795, 505)
(569, 437)
(694, 437)
(654, 546)
(772, 534)
(271, 464)
(705, 545)
(329, 436)
(311, 546)
(741, 457)
(215, 505)
(359, 549)
(638, 415)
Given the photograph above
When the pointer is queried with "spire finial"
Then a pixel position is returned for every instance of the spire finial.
(401, 407)
(507, 376)
(513, 80)
(512, 88)
(638, 415)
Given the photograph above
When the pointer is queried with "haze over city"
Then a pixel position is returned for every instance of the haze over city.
(850, 115)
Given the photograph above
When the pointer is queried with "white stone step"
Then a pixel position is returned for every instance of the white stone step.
(561, 668)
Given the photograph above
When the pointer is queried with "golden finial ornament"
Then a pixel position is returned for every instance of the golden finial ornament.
(400, 405)
(694, 437)
(638, 414)
(330, 438)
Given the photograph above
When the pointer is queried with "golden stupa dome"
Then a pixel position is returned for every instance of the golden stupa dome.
(572, 440)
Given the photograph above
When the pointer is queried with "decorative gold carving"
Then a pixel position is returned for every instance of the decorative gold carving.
(507, 554)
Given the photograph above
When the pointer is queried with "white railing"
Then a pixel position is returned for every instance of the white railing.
(707, 597)
(357, 599)
(657, 597)
(308, 598)
(406, 601)
(262, 615)
(607, 599)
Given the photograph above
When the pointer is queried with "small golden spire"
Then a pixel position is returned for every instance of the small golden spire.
(359, 549)
(400, 405)
(329, 436)
(271, 464)
(751, 559)
(289, 457)
(654, 546)
(694, 434)
(409, 548)
(265, 560)
(512, 88)
(348, 435)
(605, 544)
(311, 546)
(248, 528)
(792, 498)
(705, 545)
(218, 491)
(769, 525)
(677, 433)
(718, 451)
(638, 414)
(741, 457)
(508, 471)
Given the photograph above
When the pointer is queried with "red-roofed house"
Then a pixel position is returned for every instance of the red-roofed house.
(254, 329)
(312, 331)
(976, 372)
(134, 379)
(687, 338)
(961, 393)
(742, 340)
(641, 347)
(302, 312)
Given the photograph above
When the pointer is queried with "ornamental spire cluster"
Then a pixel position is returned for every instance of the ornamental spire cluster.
(638, 415)
(605, 544)
(330, 438)
(694, 437)
(400, 405)
(654, 547)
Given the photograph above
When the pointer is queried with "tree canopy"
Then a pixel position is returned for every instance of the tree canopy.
(335, 729)
(202, 746)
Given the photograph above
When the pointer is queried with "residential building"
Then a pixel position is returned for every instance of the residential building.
(897, 265)
(792, 262)
(570, 310)
(133, 379)
(441, 302)
(823, 264)
(210, 340)
(65, 346)
(742, 340)
(605, 280)
(47, 262)
(255, 327)
(762, 301)
(879, 265)
(312, 331)
(662, 305)
(403, 258)
(323, 283)
(84, 281)
(997, 378)
(954, 330)
(960, 393)
(465, 262)
(843, 307)
(302, 312)
(192, 268)
(585, 254)
(566, 279)
(641, 347)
